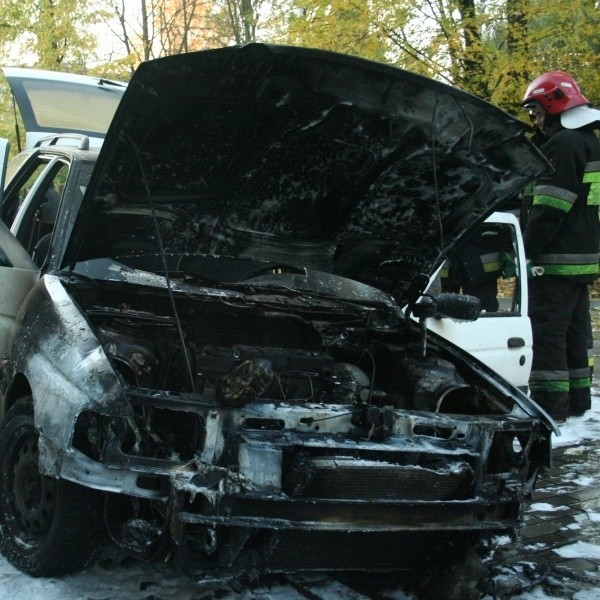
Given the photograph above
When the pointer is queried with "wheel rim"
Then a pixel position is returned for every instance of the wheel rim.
(32, 496)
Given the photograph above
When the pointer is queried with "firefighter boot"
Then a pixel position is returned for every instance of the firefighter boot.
(580, 400)
(556, 404)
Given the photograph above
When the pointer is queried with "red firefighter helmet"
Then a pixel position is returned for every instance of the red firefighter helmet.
(556, 92)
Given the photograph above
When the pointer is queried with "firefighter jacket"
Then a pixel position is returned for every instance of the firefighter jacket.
(563, 231)
(478, 257)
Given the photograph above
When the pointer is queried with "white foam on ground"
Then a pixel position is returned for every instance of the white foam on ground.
(580, 429)
(579, 550)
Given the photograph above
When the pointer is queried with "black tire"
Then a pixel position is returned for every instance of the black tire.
(48, 527)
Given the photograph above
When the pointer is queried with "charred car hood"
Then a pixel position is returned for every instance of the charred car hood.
(300, 156)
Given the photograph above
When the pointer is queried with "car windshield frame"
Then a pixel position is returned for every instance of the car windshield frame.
(290, 280)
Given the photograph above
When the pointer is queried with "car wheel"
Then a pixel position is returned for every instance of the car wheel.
(48, 527)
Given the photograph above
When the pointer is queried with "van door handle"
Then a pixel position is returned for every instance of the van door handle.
(516, 342)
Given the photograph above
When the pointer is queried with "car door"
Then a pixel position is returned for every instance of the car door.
(39, 198)
(52, 103)
(18, 272)
(501, 339)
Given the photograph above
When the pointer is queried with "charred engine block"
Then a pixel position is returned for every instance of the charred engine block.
(239, 374)
(151, 357)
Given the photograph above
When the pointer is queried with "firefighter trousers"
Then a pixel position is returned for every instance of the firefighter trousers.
(559, 310)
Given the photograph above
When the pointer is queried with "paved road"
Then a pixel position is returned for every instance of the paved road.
(556, 553)
(557, 550)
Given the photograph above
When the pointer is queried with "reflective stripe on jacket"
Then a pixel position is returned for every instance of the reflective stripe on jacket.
(563, 230)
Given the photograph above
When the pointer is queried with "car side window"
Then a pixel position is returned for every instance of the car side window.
(14, 199)
(483, 265)
(22, 191)
(21, 175)
(34, 223)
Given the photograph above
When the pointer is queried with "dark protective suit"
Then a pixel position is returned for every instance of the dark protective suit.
(476, 265)
(562, 236)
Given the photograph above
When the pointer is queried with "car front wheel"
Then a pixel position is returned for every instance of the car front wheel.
(48, 527)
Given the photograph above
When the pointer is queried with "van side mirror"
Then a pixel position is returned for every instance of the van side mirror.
(460, 307)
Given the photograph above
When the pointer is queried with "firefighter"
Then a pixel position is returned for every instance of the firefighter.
(476, 265)
(561, 242)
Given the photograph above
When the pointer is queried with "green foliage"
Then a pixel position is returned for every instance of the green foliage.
(62, 38)
(50, 34)
(339, 25)
(554, 35)
(492, 48)
(117, 70)
(237, 21)
(9, 120)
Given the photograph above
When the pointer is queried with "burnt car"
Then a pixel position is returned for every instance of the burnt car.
(216, 344)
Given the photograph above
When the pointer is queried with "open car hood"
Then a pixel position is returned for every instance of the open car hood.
(51, 103)
(300, 156)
